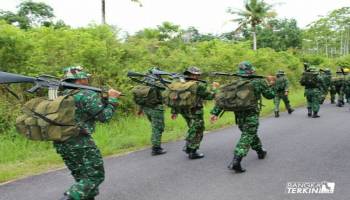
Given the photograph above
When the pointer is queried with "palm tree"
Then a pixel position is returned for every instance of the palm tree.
(255, 13)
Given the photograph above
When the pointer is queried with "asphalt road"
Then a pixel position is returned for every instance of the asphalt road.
(300, 149)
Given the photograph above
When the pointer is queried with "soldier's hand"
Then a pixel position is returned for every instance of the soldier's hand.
(114, 93)
(271, 80)
(215, 85)
(140, 113)
(173, 116)
(214, 118)
(286, 93)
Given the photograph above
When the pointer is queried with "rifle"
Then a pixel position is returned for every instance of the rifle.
(237, 75)
(149, 79)
(43, 81)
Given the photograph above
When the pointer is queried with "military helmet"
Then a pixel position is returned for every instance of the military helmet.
(280, 73)
(245, 68)
(74, 72)
(327, 70)
(151, 70)
(193, 70)
(312, 69)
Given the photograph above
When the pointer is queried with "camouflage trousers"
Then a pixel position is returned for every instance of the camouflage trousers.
(337, 91)
(278, 99)
(195, 123)
(248, 123)
(313, 96)
(84, 160)
(156, 117)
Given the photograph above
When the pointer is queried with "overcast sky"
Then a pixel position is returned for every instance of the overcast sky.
(208, 16)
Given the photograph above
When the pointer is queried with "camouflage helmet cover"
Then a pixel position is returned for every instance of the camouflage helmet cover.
(193, 70)
(74, 72)
(280, 72)
(245, 68)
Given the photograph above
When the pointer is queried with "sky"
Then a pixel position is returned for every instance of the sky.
(208, 16)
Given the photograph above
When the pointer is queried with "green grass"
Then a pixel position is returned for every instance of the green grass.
(20, 157)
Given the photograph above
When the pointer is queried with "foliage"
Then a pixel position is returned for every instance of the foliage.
(255, 13)
(330, 35)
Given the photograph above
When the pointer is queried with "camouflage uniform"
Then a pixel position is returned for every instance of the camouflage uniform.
(347, 88)
(248, 121)
(326, 78)
(194, 117)
(80, 154)
(313, 95)
(281, 88)
(337, 88)
(156, 117)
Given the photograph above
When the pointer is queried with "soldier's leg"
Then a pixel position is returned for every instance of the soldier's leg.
(91, 167)
(70, 160)
(195, 132)
(249, 138)
(315, 103)
(276, 101)
(332, 93)
(309, 103)
(156, 118)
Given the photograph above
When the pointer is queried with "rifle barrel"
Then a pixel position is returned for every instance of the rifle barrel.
(6, 77)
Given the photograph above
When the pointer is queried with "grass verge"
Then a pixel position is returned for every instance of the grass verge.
(20, 157)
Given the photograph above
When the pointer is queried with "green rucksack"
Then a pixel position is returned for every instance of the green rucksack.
(338, 81)
(181, 95)
(237, 96)
(280, 84)
(309, 79)
(146, 96)
(48, 120)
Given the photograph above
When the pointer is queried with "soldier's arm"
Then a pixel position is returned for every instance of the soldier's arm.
(286, 89)
(264, 89)
(205, 93)
(95, 107)
(216, 111)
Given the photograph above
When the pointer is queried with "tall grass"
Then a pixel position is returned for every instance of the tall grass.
(20, 157)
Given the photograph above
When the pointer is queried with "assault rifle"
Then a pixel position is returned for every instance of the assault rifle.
(153, 79)
(43, 81)
(233, 74)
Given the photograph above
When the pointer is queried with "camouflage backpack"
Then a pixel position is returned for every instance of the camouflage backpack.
(146, 95)
(237, 96)
(338, 81)
(181, 95)
(280, 84)
(48, 120)
(309, 79)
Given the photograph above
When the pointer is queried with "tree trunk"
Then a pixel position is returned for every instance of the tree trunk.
(103, 12)
(254, 39)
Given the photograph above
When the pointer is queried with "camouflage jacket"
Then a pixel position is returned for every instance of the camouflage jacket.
(282, 84)
(203, 93)
(90, 108)
(261, 88)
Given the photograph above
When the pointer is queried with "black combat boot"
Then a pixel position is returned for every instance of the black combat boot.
(195, 155)
(277, 114)
(315, 115)
(157, 151)
(309, 112)
(290, 110)
(65, 197)
(236, 164)
(186, 149)
(340, 103)
(261, 153)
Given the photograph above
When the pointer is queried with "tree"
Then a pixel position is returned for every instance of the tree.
(255, 13)
(278, 34)
(29, 14)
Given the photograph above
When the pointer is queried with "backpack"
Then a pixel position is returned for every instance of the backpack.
(338, 81)
(237, 96)
(181, 95)
(280, 84)
(309, 79)
(146, 96)
(48, 120)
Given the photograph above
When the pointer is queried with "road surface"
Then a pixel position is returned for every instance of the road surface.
(300, 149)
